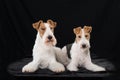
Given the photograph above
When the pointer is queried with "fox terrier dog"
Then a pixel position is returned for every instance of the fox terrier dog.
(44, 50)
(79, 54)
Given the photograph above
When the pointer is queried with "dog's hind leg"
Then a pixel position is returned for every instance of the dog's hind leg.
(61, 56)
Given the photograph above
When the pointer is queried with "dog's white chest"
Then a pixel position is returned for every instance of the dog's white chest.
(79, 56)
(46, 58)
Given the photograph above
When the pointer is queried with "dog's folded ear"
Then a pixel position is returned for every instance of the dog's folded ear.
(52, 22)
(36, 25)
(87, 29)
(77, 30)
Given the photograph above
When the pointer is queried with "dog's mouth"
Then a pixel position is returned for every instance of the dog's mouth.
(49, 42)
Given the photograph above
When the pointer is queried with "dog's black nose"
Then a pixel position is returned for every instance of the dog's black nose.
(49, 37)
(84, 46)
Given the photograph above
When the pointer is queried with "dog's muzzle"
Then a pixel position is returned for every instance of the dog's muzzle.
(50, 40)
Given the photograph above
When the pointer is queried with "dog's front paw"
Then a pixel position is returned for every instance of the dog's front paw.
(28, 68)
(58, 68)
(99, 69)
(72, 68)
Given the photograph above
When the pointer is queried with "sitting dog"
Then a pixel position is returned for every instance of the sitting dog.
(79, 55)
(44, 50)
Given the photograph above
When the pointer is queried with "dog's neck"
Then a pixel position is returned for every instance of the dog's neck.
(39, 42)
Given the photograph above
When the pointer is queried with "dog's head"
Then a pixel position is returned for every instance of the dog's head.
(46, 31)
(83, 36)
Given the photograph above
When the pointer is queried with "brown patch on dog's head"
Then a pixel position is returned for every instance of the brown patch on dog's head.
(52, 24)
(87, 30)
(40, 27)
(77, 31)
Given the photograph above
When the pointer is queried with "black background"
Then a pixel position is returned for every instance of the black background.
(17, 35)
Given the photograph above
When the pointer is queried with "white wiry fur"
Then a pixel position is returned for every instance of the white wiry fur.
(44, 55)
(81, 57)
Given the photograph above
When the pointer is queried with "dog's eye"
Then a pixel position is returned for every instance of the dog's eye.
(51, 28)
(86, 35)
(79, 36)
(43, 29)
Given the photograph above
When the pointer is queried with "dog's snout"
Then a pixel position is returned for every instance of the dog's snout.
(84, 45)
(49, 37)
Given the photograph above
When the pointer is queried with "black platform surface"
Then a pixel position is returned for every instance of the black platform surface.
(15, 69)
